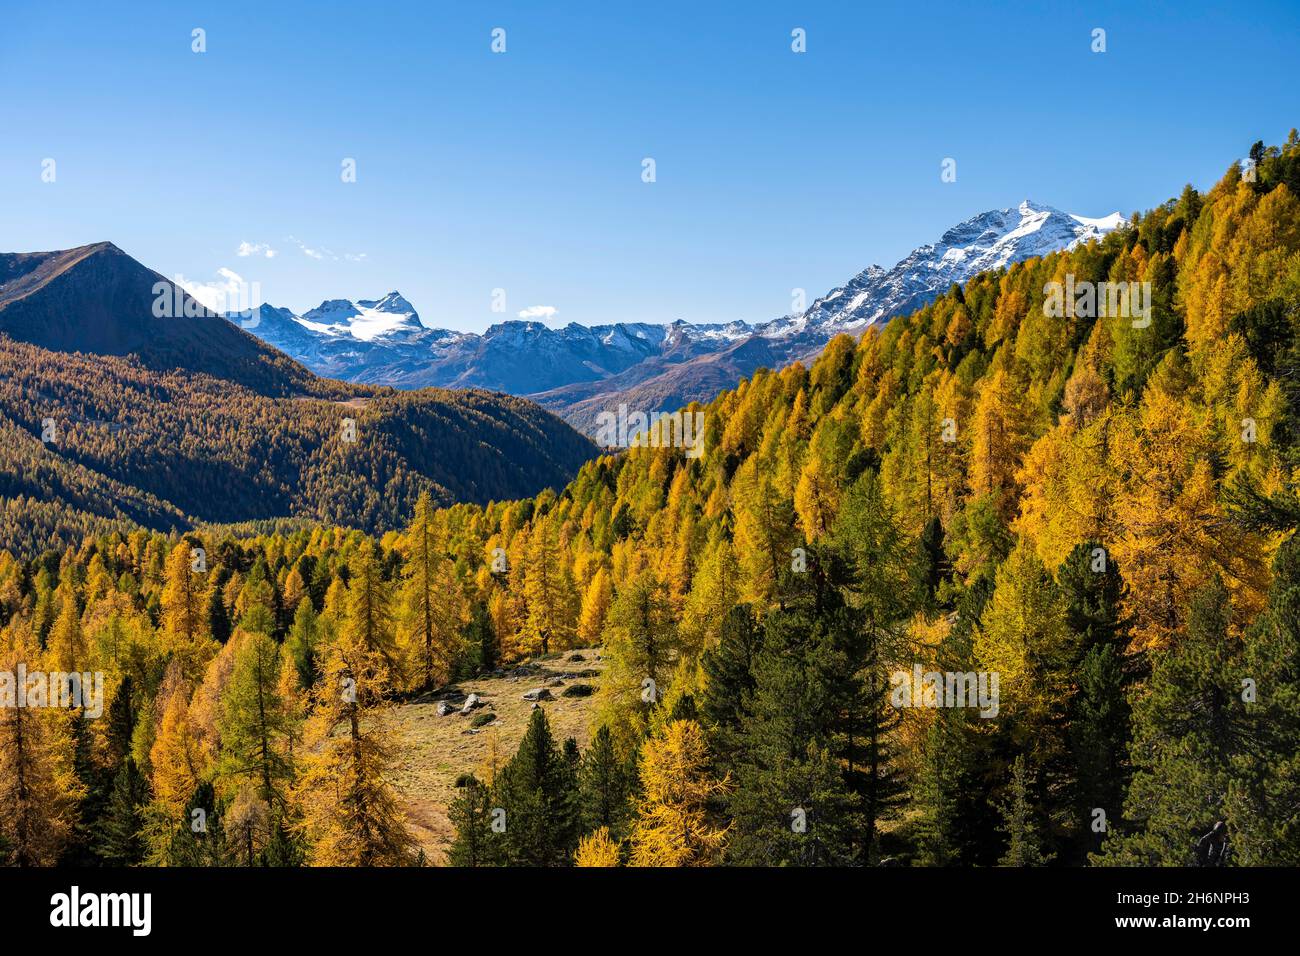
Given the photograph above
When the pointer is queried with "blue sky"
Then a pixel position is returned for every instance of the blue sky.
(522, 171)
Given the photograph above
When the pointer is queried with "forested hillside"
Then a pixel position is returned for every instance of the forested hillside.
(168, 450)
(1100, 511)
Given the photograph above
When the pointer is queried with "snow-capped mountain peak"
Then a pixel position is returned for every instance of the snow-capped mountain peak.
(992, 240)
(393, 302)
(364, 320)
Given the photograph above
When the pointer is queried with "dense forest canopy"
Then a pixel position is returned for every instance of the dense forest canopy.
(1099, 510)
(132, 446)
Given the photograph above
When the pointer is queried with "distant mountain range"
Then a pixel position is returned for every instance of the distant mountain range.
(578, 371)
(113, 416)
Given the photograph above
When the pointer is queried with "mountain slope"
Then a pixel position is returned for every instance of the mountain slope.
(991, 240)
(98, 299)
(167, 449)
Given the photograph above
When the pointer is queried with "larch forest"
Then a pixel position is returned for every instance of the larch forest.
(1098, 512)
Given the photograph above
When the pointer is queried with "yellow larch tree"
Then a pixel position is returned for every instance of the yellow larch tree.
(673, 826)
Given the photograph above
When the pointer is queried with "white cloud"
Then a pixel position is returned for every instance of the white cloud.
(322, 254)
(228, 293)
(255, 249)
(538, 312)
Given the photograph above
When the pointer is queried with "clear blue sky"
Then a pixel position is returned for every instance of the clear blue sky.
(522, 170)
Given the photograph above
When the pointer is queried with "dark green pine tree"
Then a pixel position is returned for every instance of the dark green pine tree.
(321, 579)
(862, 728)
(816, 773)
(536, 791)
(930, 568)
(571, 808)
(120, 843)
(218, 618)
(1019, 821)
(1094, 592)
(792, 804)
(729, 681)
(1099, 738)
(284, 848)
(470, 813)
(302, 642)
(98, 784)
(957, 823)
(198, 840)
(1188, 727)
(1099, 713)
(938, 832)
(1264, 806)
(871, 559)
(481, 640)
(606, 785)
(121, 722)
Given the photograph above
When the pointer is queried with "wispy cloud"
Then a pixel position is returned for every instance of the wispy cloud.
(322, 254)
(255, 249)
(538, 312)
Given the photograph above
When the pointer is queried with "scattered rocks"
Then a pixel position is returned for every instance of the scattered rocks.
(483, 719)
(575, 656)
(443, 708)
(472, 701)
(538, 693)
(555, 682)
(578, 690)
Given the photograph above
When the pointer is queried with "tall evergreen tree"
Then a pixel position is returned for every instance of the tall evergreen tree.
(792, 803)
(1024, 846)
(606, 787)
(475, 843)
(1099, 711)
(121, 841)
(956, 821)
(729, 681)
(255, 722)
(199, 840)
(1263, 804)
(302, 645)
(1189, 725)
(536, 791)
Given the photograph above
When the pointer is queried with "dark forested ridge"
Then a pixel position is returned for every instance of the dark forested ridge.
(168, 422)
